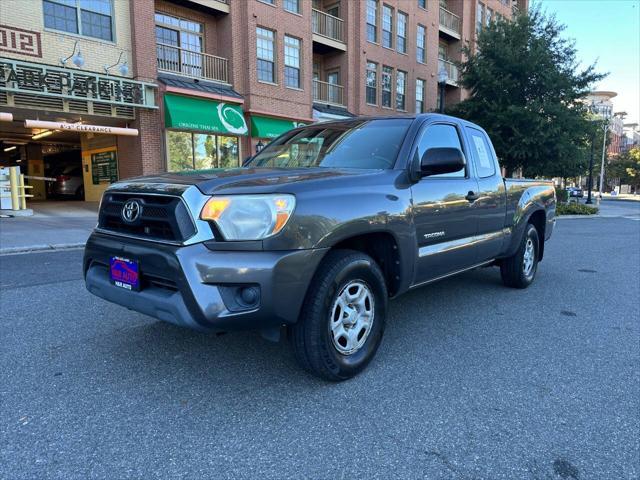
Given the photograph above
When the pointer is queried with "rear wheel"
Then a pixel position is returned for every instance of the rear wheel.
(343, 317)
(519, 270)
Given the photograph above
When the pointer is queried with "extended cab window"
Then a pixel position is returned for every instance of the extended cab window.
(441, 135)
(359, 144)
(483, 156)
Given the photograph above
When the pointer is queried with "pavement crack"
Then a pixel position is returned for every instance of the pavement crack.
(443, 458)
(39, 284)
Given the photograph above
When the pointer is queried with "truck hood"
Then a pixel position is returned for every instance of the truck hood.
(246, 180)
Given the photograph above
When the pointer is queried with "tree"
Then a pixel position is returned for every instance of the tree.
(626, 167)
(526, 87)
(633, 167)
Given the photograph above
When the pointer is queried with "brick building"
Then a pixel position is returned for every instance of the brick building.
(223, 77)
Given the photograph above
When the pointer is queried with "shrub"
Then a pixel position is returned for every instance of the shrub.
(562, 195)
(575, 209)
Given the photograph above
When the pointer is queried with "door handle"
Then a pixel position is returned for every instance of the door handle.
(472, 196)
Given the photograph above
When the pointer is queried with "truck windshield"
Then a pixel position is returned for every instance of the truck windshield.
(358, 144)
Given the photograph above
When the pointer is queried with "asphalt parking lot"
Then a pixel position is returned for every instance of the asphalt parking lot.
(473, 381)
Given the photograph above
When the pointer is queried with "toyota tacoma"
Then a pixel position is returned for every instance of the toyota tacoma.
(314, 234)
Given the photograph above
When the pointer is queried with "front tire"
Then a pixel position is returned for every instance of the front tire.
(343, 317)
(519, 270)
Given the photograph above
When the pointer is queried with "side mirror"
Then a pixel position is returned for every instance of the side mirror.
(441, 160)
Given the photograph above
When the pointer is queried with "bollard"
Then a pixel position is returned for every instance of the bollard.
(23, 198)
(13, 184)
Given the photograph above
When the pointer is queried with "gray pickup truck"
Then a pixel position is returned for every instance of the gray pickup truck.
(317, 231)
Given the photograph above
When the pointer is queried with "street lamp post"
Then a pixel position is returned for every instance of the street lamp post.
(590, 180)
(605, 128)
(443, 76)
(604, 112)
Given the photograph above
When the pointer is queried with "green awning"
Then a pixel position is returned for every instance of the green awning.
(269, 127)
(192, 113)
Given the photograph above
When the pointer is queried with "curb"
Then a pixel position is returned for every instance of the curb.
(571, 217)
(41, 248)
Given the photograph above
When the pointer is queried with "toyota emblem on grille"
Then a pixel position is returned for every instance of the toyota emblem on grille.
(131, 211)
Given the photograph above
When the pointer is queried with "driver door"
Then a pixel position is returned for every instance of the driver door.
(443, 210)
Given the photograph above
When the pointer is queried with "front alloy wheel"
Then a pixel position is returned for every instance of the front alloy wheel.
(352, 317)
(343, 316)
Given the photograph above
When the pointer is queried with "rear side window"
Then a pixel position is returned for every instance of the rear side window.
(437, 136)
(482, 153)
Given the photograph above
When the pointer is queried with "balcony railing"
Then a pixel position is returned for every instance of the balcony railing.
(449, 20)
(451, 69)
(328, 25)
(192, 64)
(325, 92)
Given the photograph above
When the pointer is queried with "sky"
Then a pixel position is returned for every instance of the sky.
(606, 31)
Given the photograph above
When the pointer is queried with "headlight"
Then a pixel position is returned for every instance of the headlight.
(249, 217)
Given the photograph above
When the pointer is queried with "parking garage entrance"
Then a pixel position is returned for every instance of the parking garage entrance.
(60, 164)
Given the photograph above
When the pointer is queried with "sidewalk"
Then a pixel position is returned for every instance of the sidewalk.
(54, 225)
(611, 208)
(625, 197)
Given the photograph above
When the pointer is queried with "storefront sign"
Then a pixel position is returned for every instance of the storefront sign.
(18, 40)
(46, 80)
(199, 114)
(104, 167)
(80, 127)
(269, 127)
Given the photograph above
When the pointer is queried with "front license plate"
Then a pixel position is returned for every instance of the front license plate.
(124, 273)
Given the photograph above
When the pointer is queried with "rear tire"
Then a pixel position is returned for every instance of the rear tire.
(519, 270)
(343, 317)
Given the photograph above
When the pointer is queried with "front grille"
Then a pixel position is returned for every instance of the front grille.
(162, 217)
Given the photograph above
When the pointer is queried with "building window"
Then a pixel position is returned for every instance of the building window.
(266, 55)
(421, 53)
(402, 32)
(489, 17)
(387, 78)
(90, 18)
(442, 51)
(200, 151)
(387, 26)
(179, 44)
(270, 2)
(419, 95)
(479, 17)
(422, 4)
(292, 6)
(401, 87)
(291, 61)
(372, 20)
(372, 83)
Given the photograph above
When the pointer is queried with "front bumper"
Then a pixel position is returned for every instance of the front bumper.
(189, 285)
